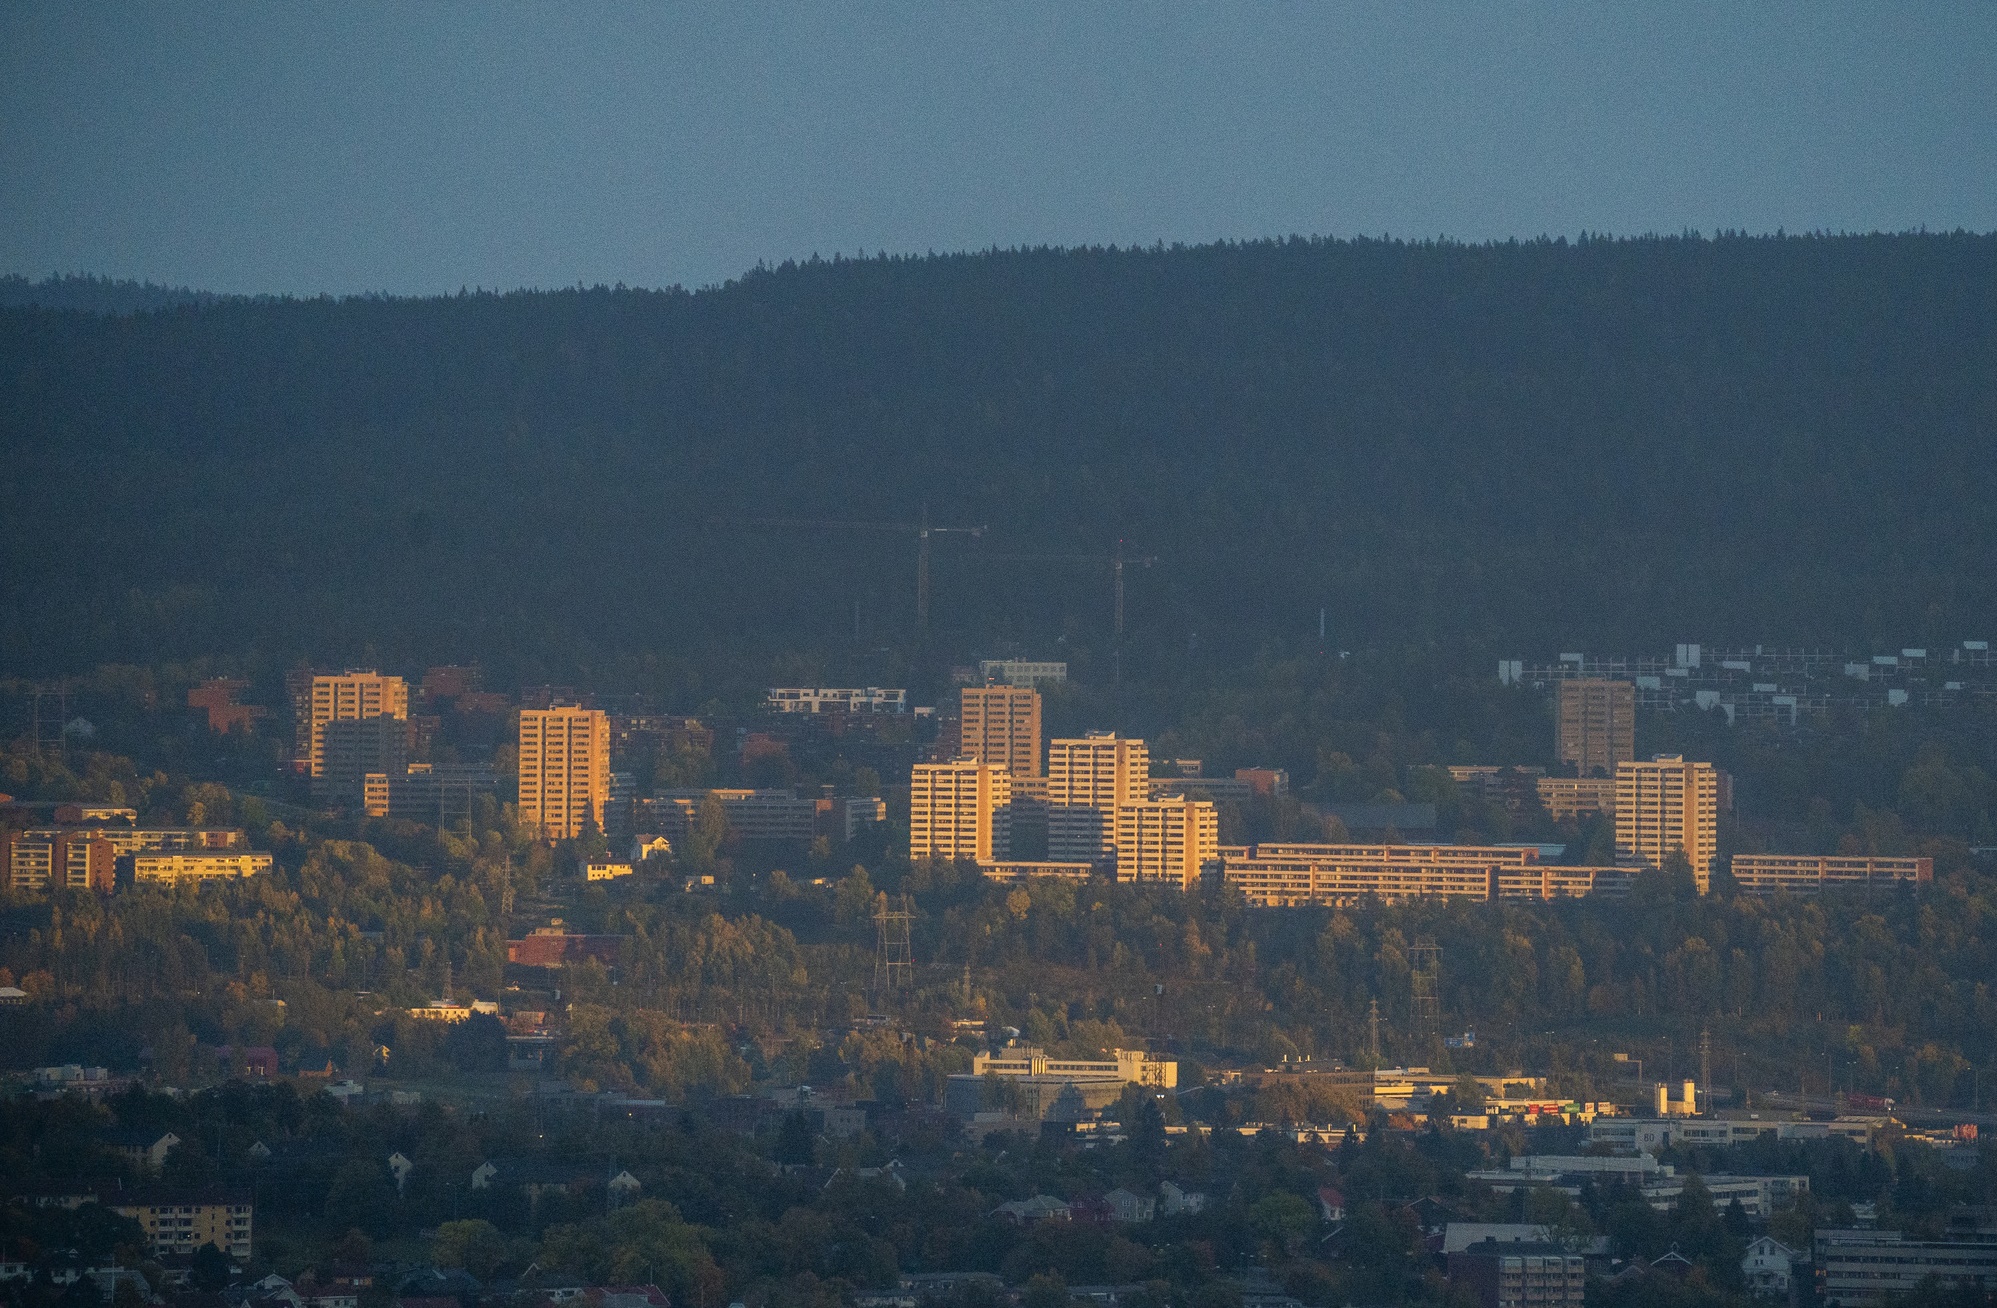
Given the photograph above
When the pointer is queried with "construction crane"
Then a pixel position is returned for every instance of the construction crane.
(922, 530)
(1116, 563)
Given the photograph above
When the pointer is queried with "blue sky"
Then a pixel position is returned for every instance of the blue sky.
(419, 148)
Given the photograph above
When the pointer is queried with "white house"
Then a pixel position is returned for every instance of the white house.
(1768, 1267)
(1125, 1206)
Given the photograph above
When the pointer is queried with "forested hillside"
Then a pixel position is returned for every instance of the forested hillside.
(1490, 448)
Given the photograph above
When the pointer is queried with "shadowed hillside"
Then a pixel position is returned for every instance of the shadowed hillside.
(1495, 447)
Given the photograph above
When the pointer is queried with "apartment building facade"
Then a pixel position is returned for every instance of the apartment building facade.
(351, 696)
(1596, 724)
(1001, 724)
(1803, 874)
(1022, 672)
(179, 1224)
(1173, 841)
(954, 810)
(1284, 875)
(564, 769)
(1664, 805)
(175, 867)
(1567, 798)
(1088, 779)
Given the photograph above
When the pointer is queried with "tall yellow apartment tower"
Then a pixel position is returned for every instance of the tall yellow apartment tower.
(1088, 779)
(1597, 731)
(1173, 840)
(350, 697)
(1001, 724)
(955, 810)
(564, 769)
(1668, 804)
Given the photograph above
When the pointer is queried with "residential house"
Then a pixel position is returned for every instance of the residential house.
(1768, 1267)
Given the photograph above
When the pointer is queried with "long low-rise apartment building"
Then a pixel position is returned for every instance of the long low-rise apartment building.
(1576, 797)
(1803, 874)
(178, 1224)
(752, 814)
(1027, 869)
(1290, 875)
(836, 699)
(178, 866)
(86, 856)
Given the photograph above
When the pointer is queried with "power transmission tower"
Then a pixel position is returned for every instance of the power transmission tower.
(1706, 1065)
(894, 957)
(1425, 973)
(1373, 1032)
(46, 735)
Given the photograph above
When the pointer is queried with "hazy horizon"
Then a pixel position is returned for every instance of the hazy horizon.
(374, 149)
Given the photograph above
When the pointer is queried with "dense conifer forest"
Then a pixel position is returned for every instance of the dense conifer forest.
(1488, 448)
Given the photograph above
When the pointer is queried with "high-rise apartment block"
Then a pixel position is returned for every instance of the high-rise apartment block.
(1001, 724)
(1597, 730)
(564, 769)
(955, 810)
(1668, 804)
(1088, 779)
(1170, 840)
(350, 750)
(352, 696)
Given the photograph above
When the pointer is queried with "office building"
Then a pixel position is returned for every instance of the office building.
(1021, 672)
(1054, 1088)
(564, 769)
(1173, 841)
(954, 810)
(1597, 724)
(1001, 724)
(1664, 805)
(351, 696)
(1803, 874)
(180, 866)
(1088, 779)
(1569, 798)
(1857, 1269)
(1282, 875)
